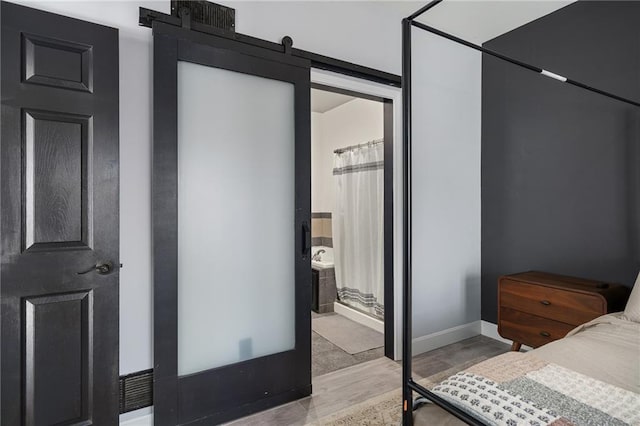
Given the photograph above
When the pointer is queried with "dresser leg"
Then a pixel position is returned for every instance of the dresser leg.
(515, 346)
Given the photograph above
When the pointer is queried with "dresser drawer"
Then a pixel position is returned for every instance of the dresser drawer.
(566, 306)
(530, 329)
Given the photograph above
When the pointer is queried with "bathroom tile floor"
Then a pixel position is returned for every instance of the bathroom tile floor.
(327, 357)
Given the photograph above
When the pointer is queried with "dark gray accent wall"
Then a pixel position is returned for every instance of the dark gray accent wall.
(560, 165)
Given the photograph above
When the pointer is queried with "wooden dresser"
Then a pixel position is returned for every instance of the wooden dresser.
(535, 308)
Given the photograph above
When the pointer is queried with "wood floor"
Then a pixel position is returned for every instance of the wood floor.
(343, 388)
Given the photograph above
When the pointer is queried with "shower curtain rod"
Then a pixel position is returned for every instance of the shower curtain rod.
(352, 147)
(408, 384)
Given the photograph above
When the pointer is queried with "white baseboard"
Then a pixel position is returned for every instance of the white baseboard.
(142, 417)
(359, 317)
(445, 337)
(490, 329)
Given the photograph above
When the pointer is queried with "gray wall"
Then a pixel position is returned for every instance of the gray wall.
(560, 165)
(445, 192)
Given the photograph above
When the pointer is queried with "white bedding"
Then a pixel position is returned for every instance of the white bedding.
(607, 349)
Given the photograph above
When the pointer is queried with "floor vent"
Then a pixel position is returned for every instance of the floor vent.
(136, 390)
(207, 13)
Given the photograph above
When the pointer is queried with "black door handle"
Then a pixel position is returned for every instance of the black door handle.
(102, 268)
(306, 238)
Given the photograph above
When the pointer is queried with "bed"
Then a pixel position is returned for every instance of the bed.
(590, 377)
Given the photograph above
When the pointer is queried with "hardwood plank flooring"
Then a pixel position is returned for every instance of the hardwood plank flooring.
(340, 389)
(456, 354)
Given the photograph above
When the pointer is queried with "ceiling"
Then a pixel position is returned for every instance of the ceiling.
(322, 101)
(479, 21)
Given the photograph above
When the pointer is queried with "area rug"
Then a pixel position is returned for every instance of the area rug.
(348, 335)
(386, 409)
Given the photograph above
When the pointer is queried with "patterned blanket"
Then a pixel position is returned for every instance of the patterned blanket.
(519, 389)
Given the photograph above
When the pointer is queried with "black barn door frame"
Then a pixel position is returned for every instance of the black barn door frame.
(148, 16)
(248, 45)
(388, 216)
(283, 376)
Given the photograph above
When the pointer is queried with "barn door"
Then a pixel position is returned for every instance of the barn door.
(231, 203)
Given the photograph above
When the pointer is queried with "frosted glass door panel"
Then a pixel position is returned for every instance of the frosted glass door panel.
(236, 175)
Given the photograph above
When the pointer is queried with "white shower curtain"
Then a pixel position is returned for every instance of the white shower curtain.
(358, 227)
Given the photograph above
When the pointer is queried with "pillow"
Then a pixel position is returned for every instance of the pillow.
(632, 310)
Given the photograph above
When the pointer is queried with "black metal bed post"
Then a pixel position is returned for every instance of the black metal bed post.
(408, 385)
(407, 393)
(423, 9)
(521, 64)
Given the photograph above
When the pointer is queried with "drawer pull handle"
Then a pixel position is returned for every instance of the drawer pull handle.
(545, 334)
(545, 302)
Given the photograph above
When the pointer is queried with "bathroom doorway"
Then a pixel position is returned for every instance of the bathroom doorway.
(352, 228)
